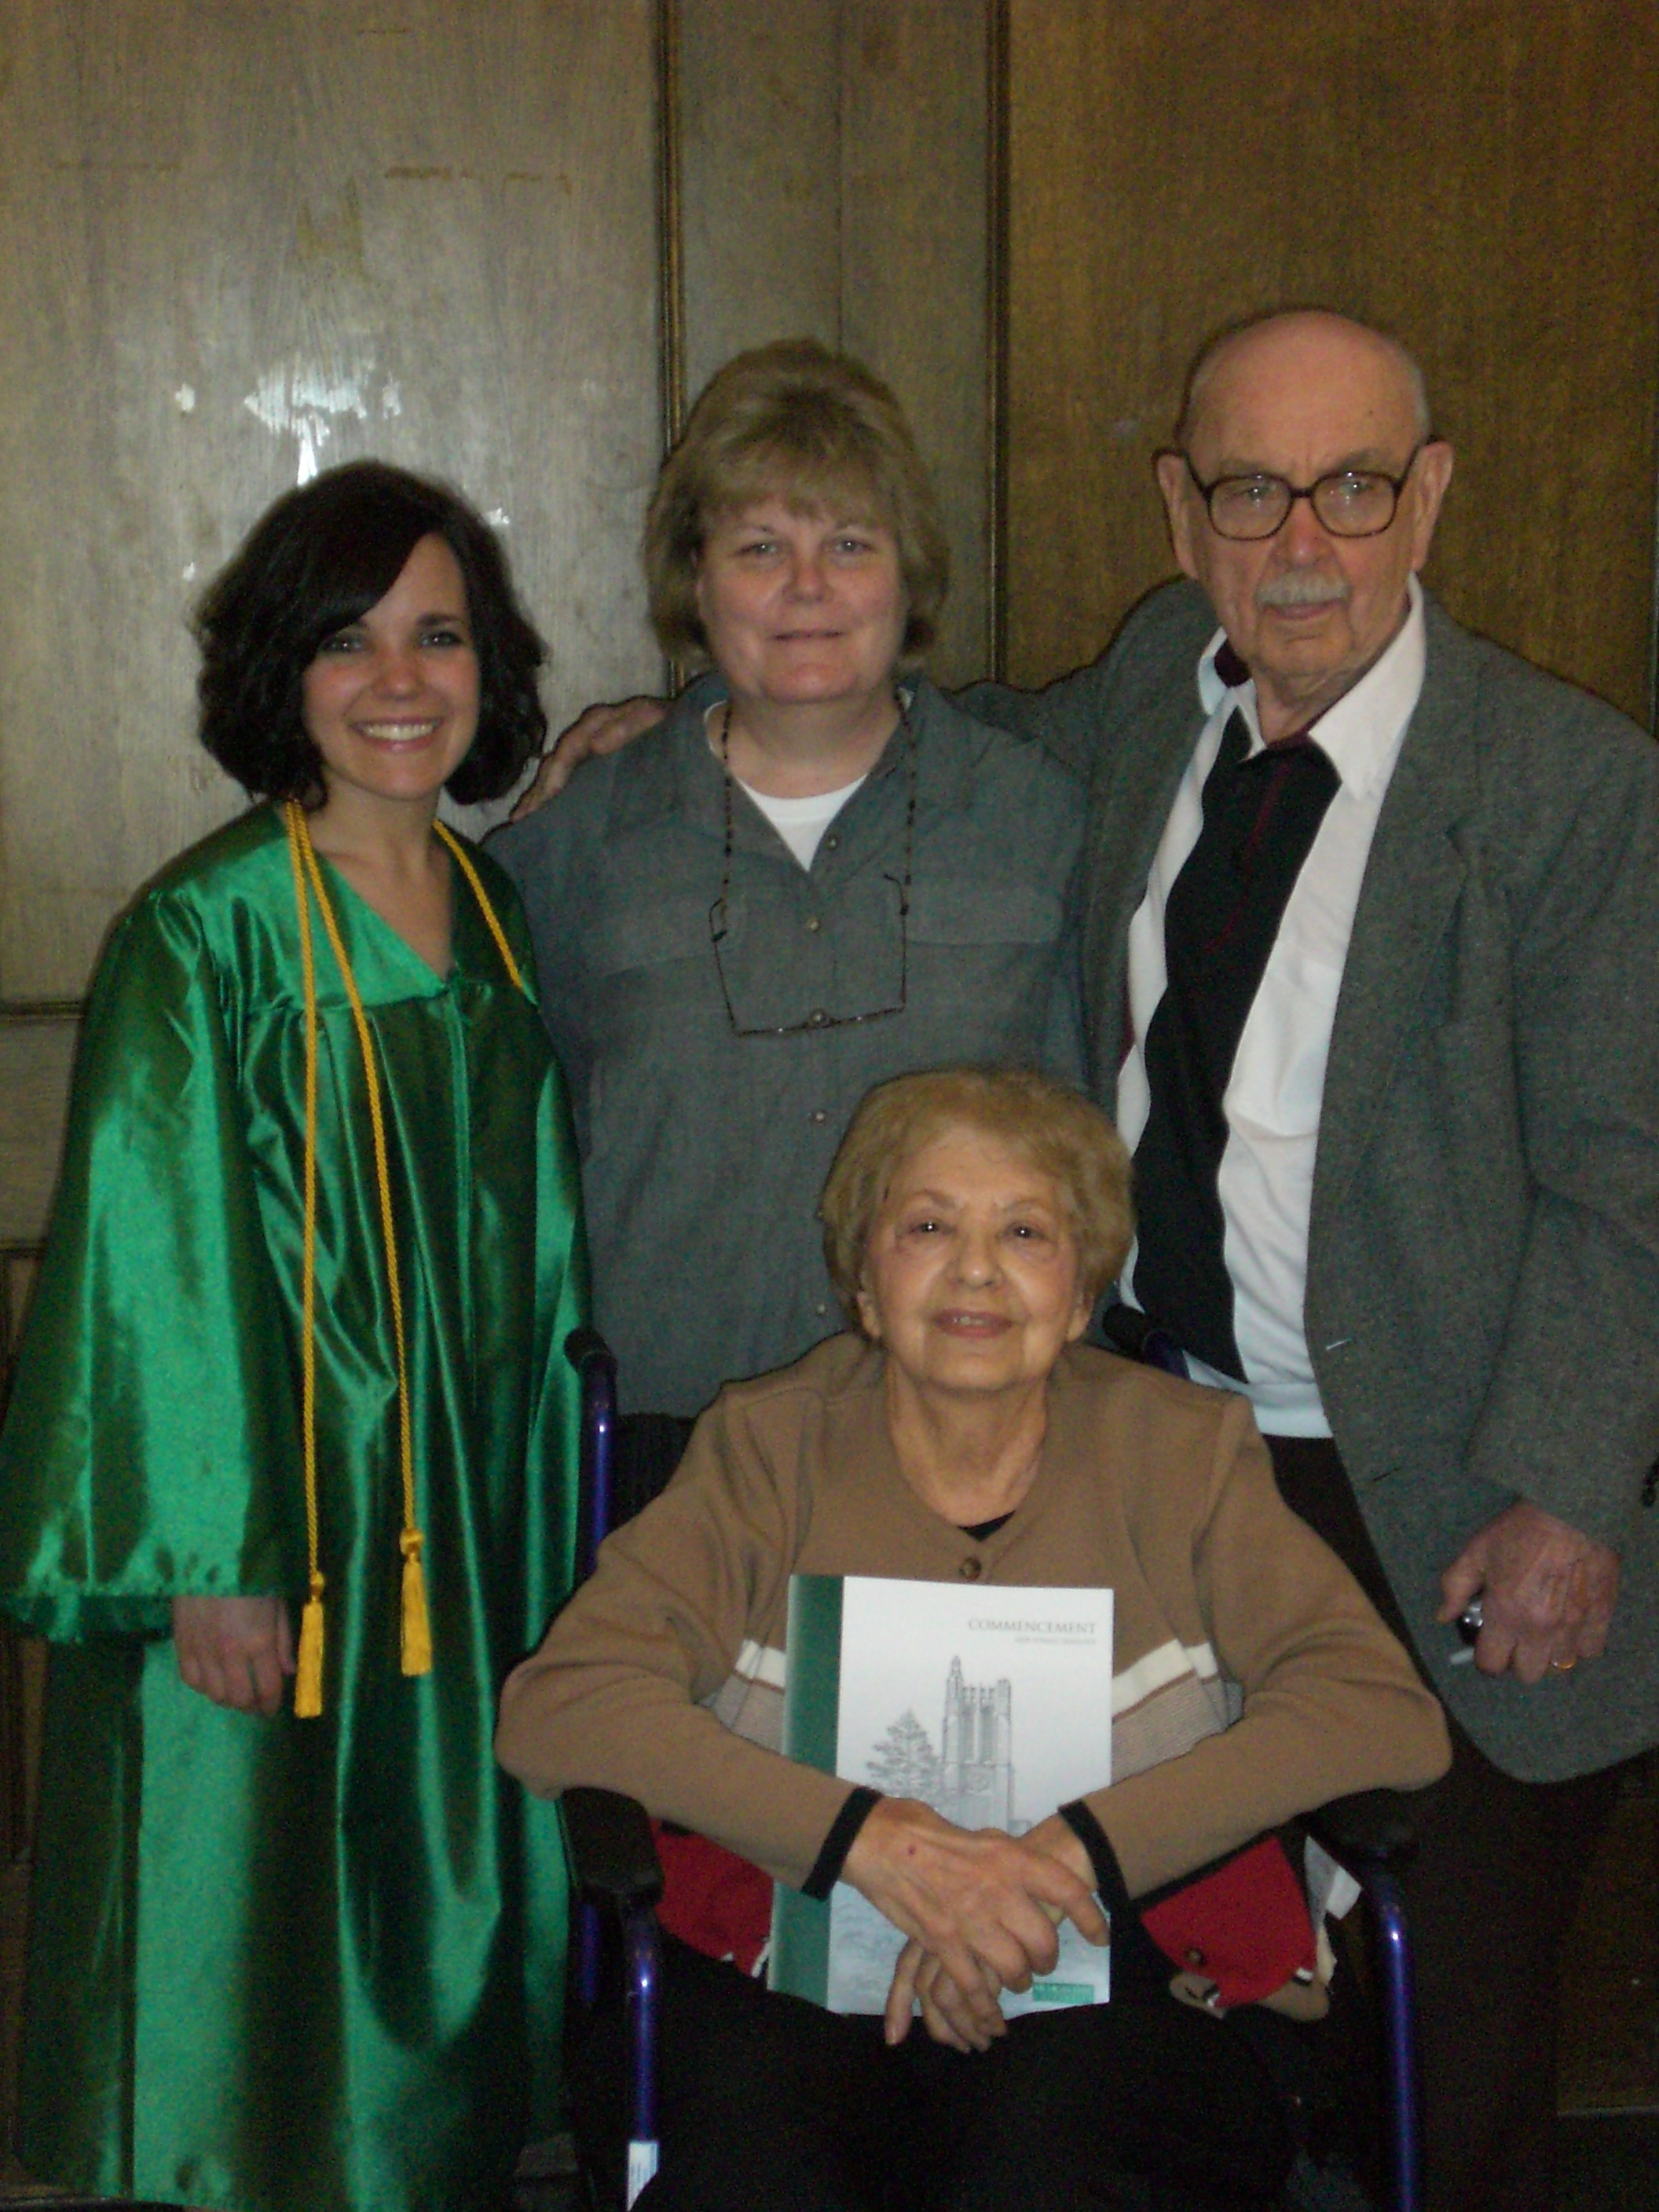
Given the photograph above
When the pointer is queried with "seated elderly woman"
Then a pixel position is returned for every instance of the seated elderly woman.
(964, 1432)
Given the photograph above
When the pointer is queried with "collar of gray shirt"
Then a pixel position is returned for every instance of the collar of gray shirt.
(676, 776)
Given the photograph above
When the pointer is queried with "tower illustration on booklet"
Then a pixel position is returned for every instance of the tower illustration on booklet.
(971, 1780)
(976, 1769)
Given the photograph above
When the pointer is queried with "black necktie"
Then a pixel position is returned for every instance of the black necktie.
(1261, 817)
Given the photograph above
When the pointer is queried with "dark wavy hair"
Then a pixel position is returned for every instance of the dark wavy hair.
(319, 560)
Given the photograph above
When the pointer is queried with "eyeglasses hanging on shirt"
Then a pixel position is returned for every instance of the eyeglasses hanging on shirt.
(820, 1019)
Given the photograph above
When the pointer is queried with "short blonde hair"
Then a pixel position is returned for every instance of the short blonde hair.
(1054, 1127)
(796, 421)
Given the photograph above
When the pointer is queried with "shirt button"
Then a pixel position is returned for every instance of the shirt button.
(817, 1018)
(813, 923)
(971, 1570)
(832, 843)
(820, 1309)
(817, 1114)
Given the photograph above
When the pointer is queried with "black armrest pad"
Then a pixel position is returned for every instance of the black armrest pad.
(608, 1840)
(1371, 1829)
(584, 1344)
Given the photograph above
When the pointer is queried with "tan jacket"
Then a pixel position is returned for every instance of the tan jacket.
(1253, 1679)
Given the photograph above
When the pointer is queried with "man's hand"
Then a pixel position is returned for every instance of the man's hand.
(1546, 1593)
(236, 1650)
(984, 1905)
(596, 730)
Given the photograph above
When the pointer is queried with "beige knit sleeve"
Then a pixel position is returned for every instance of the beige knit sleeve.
(1332, 1702)
(614, 1695)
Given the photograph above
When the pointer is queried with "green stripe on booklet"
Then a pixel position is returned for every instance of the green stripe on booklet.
(811, 1705)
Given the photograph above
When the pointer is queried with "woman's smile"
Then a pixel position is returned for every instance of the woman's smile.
(971, 1322)
(400, 732)
(802, 608)
(390, 701)
(972, 1277)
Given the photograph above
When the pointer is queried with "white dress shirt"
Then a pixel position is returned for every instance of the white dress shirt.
(1273, 1098)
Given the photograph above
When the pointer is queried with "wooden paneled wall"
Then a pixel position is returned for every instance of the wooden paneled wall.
(240, 242)
(1482, 176)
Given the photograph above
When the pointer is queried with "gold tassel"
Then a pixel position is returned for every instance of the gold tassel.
(308, 1677)
(418, 1628)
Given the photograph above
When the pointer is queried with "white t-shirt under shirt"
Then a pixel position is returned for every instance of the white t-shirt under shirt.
(801, 822)
(1273, 1100)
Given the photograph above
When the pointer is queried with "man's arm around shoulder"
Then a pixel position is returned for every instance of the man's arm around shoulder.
(1072, 718)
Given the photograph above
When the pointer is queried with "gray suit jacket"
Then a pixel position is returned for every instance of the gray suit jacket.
(1483, 1266)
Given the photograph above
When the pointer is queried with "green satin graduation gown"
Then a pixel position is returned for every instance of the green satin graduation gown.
(289, 1966)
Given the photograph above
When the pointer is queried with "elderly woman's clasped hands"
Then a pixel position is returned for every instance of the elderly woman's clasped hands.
(980, 1909)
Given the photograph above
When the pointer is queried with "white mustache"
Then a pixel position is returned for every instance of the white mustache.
(1300, 588)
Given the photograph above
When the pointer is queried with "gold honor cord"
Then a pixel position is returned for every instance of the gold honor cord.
(308, 1676)
(457, 852)
(417, 1636)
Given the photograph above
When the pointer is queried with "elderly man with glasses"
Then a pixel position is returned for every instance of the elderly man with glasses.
(1381, 902)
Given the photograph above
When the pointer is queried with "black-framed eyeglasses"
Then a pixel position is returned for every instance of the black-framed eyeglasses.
(820, 1019)
(1349, 502)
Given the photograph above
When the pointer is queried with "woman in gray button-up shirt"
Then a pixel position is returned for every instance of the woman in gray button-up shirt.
(816, 874)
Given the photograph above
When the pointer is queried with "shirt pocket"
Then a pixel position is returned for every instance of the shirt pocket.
(962, 913)
(1277, 1081)
(652, 994)
(649, 933)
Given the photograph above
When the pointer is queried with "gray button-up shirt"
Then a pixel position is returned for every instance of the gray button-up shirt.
(704, 1151)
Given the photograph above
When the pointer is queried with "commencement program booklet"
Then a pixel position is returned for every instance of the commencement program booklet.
(993, 1705)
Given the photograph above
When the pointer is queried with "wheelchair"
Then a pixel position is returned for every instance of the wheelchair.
(617, 1877)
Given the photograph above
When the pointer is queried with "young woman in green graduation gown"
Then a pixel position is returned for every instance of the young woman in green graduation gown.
(287, 1475)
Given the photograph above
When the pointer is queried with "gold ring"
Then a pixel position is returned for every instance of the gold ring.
(1562, 1666)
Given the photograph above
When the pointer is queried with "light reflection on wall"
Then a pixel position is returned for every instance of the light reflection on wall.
(304, 401)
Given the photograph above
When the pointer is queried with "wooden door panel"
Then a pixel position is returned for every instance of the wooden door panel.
(239, 242)
(1481, 177)
(36, 1053)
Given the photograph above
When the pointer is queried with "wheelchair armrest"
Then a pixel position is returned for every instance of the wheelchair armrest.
(613, 1856)
(1369, 1831)
(584, 1345)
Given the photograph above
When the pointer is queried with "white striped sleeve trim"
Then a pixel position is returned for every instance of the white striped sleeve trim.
(760, 1662)
(1157, 1669)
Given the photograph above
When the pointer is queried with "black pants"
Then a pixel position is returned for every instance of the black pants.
(771, 2105)
(1499, 1872)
